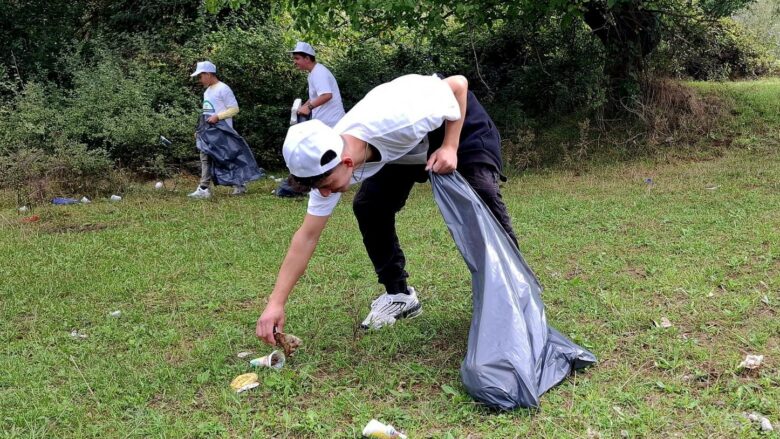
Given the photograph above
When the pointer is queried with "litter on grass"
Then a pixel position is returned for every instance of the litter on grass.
(664, 323)
(274, 360)
(115, 198)
(60, 201)
(288, 342)
(31, 219)
(765, 424)
(752, 362)
(244, 382)
(244, 354)
(377, 430)
(115, 314)
(85, 200)
(23, 209)
(159, 185)
(78, 335)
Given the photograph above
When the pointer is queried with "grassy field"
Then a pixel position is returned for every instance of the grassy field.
(698, 245)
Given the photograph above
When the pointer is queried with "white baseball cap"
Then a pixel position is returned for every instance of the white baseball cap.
(204, 67)
(302, 47)
(305, 147)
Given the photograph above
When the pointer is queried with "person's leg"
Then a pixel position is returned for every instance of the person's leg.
(202, 191)
(379, 199)
(375, 205)
(205, 171)
(484, 180)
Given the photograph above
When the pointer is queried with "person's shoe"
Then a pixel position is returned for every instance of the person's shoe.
(239, 190)
(200, 193)
(388, 308)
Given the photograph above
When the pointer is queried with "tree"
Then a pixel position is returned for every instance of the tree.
(629, 29)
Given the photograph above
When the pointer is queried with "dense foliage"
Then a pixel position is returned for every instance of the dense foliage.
(106, 78)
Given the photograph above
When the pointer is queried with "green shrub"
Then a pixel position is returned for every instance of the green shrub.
(713, 51)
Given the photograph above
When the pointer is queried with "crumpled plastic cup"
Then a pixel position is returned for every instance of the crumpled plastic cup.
(274, 360)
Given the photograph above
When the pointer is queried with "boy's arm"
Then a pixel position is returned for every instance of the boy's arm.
(445, 159)
(298, 256)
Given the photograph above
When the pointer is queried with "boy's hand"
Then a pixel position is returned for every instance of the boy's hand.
(443, 161)
(272, 317)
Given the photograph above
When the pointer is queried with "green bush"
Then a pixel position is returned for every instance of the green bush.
(713, 51)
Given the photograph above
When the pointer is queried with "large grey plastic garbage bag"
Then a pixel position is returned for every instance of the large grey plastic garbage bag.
(513, 357)
(233, 162)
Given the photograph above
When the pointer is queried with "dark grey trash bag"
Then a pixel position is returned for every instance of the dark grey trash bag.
(513, 356)
(233, 163)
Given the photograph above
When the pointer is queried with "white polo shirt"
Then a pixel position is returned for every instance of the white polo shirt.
(394, 118)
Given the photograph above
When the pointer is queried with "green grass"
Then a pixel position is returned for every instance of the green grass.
(700, 246)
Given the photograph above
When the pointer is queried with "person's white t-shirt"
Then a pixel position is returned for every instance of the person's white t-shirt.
(218, 98)
(321, 81)
(395, 118)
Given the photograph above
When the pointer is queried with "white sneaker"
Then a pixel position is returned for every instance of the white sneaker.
(239, 190)
(200, 193)
(388, 308)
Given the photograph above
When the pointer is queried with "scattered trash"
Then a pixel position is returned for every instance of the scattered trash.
(711, 187)
(63, 201)
(31, 219)
(23, 209)
(648, 181)
(76, 334)
(752, 362)
(243, 354)
(158, 185)
(378, 430)
(765, 424)
(115, 314)
(115, 198)
(165, 141)
(664, 323)
(274, 360)
(244, 382)
(765, 299)
(711, 294)
(272, 177)
(278, 180)
(288, 342)
(85, 200)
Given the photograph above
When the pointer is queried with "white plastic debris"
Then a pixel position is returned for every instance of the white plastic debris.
(115, 314)
(278, 180)
(115, 198)
(85, 200)
(665, 323)
(378, 430)
(711, 187)
(23, 209)
(158, 185)
(766, 425)
(752, 362)
(243, 354)
(78, 334)
(765, 300)
(274, 360)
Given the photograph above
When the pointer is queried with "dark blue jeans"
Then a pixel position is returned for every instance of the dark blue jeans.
(384, 194)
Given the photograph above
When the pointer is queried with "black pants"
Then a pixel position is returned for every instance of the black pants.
(384, 194)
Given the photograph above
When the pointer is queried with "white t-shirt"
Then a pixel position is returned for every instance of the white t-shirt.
(395, 118)
(218, 98)
(321, 81)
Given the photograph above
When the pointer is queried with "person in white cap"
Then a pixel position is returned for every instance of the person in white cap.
(388, 142)
(324, 101)
(219, 103)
